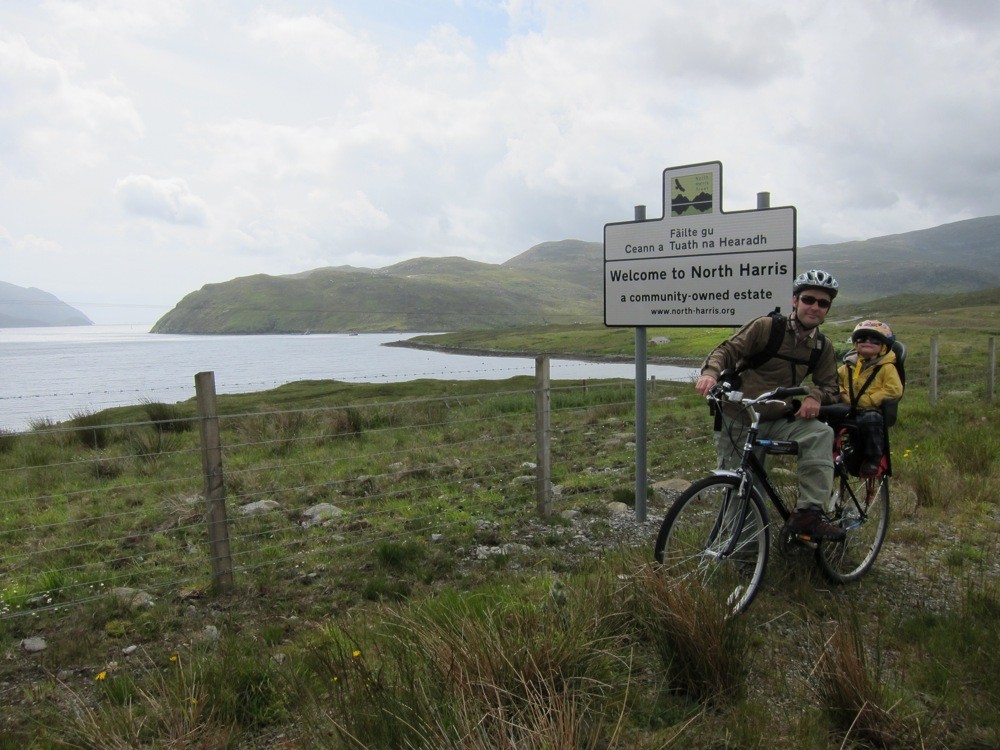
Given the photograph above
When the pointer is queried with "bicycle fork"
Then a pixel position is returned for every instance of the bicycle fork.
(731, 519)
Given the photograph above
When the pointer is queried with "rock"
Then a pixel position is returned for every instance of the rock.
(34, 644)
(261, 506)
(484, 552)
(320, 513)
(618, 508)
(209, 635)
(133, 598)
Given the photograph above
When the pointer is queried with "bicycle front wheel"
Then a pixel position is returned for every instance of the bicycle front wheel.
(862, 510)
(706, 540)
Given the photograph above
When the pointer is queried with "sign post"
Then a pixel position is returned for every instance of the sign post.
(695, 266)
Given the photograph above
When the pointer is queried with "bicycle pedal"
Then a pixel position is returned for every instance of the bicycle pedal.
(805, 540)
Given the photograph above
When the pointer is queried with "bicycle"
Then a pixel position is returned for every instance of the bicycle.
(718, 530)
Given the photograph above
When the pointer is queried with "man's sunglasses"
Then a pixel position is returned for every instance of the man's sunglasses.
(808, 299)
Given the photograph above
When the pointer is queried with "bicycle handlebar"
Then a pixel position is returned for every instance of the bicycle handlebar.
(723, 391)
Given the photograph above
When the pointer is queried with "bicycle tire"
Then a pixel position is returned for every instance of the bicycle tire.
(695, 532)
(846, 561)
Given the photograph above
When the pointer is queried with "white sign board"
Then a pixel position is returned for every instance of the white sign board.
(697, 265)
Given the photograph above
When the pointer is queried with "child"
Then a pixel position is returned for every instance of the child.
(868, 377)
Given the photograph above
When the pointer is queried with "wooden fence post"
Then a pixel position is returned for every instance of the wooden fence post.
(215, 489)
(543, 437)
(932, 395)
(991, 371)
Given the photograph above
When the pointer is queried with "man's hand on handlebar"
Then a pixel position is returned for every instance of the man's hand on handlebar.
(809, 409)
(704, 384)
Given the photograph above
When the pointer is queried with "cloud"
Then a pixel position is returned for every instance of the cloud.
(301, 136)
(169, 200)
(39, 247)
(317, 38)
(52, 118)
(119, 17)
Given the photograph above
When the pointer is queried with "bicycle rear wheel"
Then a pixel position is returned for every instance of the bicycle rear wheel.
(695, 541)
(862, 510)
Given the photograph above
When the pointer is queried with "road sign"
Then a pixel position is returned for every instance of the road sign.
(698, 265)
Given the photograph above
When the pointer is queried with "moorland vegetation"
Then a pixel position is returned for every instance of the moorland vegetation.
(440, 610)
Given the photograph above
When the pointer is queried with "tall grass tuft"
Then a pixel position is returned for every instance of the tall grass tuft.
(340, 423)
(933, 484)
(851, 689)
(168, 417)
(150, 445)
(277, 432)
(8, 440)
(705, 651)
(164, 707)
(92, 429)
(481, 671)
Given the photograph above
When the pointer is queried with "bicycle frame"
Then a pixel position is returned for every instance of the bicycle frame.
(751, 470)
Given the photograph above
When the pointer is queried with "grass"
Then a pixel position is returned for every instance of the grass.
(383, 627)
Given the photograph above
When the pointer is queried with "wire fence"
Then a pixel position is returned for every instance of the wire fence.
(121, 507)
(90, 507)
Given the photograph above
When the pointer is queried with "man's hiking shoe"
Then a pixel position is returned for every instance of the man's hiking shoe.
(811, 524)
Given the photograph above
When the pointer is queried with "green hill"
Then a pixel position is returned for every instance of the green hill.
(423, 294)
(552, 283)
(957, 257)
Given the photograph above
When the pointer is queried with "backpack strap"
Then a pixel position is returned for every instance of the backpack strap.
(777, 333)
(856, 397)
(770, 350)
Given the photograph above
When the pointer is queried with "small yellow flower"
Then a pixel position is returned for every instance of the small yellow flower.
(173, 657)
(101, 675)
(356, 654)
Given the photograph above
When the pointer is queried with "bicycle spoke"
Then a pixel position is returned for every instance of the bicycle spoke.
(706, 539)
(863, 512)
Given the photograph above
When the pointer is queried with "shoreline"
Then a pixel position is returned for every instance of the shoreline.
(573, 356)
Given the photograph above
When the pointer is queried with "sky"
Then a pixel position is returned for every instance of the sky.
(150, 147)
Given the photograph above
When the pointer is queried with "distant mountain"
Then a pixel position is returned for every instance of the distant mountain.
(22, 307)
(554, 282)
(422, 294)
(958, 257)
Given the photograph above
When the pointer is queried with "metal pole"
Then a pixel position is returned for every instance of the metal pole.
(640, 409)
(933, 392)
(991, 373)
(543, 437)
(763, 200)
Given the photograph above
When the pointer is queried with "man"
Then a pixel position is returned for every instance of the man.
(802, 350)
